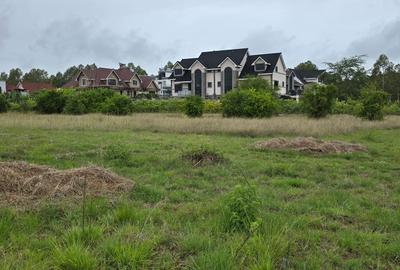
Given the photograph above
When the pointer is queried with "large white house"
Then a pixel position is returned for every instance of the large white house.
(3, 88)
(164, 82)
(214, 73)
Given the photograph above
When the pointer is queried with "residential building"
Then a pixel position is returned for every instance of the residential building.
(148, 85)
(214, 73)
(3, 87)
(122, 80)
(26, 88)
(297, 79)
(164, 82)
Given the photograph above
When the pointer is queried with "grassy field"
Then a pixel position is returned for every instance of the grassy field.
(317, 211)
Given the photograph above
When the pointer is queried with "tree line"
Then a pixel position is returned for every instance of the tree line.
(350, 76)
(16, 75)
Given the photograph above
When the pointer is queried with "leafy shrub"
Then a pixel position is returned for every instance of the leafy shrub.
(75, 105)
(289, 106)
(117, 105)
(170, 105)
(51, 101)
(373, 102)
(242, 208)
(392, 109)
(3, 104)
(93, 99)
(194, 106)
(248, 103)
(258, 84)
(212, 106)
(318, 100)
(351, 107)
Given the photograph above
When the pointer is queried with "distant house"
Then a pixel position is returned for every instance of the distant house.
(3, 87)
(148, 85)
(26, 88)
(164, 82)
(215, 73)
(122, 80)
(297, 79)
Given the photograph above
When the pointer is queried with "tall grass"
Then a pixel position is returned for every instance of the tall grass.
(210, 124)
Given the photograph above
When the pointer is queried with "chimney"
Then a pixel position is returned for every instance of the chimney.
(121, 65)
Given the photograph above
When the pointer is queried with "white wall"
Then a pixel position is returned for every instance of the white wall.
(280, 76)
(3, 88)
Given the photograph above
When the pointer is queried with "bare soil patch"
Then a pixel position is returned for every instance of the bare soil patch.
(310, 145)
(21, 182)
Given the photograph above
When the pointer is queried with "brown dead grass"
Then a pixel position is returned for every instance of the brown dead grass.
(310, 145)
(210, 124)
(22, 183)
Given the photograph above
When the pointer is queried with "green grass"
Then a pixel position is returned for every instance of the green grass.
(317, 212)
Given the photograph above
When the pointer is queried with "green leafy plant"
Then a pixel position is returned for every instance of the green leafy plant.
(117, 151)
(73, 257)
(242, 207)
(318, 100)
(49, 102)
(248, 103)
(373, 102)
(117, 105)
(75, 105)
(194, 106)
(3, 104)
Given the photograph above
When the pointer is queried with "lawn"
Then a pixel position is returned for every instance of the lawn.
(335, 211)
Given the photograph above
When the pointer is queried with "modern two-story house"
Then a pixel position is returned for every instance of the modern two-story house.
(297, 79)
(122, 80)
(215, 73)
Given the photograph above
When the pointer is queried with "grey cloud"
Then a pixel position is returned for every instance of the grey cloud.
(78, 40)
(4, 25)
(380, 40)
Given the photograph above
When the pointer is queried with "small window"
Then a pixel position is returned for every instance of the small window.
(178, 72)
(103, 82)
(83, 81)
(276, 69)
(260, 67)
(134, 83)
(276, 83)
(112, 82)
(210, 85)
(219, 84)
(283, 84)
(178, 87)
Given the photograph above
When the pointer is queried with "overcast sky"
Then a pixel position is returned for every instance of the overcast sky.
(55, 34)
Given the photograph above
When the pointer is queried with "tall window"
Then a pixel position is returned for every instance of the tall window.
(276, 69)
(83, 82)
(228, 79)
(198, 88)
(209, 85)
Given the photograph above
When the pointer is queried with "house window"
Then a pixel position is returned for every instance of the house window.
(219, 84)
(178, 72)
(210, 85)
(276, 69)
(276, 83)
(259, 67)
(103, 82)
(134, 83)
(283, 84)
(112, 82)
(83, 82)
(178, 87)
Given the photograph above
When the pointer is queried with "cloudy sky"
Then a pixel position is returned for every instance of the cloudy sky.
(55, 34)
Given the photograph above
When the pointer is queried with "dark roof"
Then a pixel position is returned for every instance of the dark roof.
(187, 76)
(213, 58)
(302, 74)
(271, 58)
(187, 62)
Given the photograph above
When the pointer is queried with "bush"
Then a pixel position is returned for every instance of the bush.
(74, 257)
(117, 151)
(170, 105)
(248, 103)
(3, 104)
(51, 101)
(194, 106)
(289, 106)
(258, 84)
(373, 102)
(392, 109)
(75, 105)
(94, 99)
(212, 106)
(242, 207)
(117, 105)
(351, 107)
(318, 100)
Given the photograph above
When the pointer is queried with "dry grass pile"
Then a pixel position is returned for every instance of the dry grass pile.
(310, 145)
(22, 182)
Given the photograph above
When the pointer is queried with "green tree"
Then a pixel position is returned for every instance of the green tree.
(3, 76)
(169, 65)
(36, 75)
(57, 80)
(318, 100)
(373, 100)
(137, 69)
(386, 75)
(258, 84)
(14, 76)
(348, 75)
(307, 66)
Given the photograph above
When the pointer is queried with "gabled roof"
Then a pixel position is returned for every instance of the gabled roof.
(271, 58)
(212, 59)
(309, 74)
(146, 81)
(187, 62)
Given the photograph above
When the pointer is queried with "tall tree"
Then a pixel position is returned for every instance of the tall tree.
(3, 76)
(36, 75)
(386, 76)
(137, 69)
(348, 75)
(307, 66)
(14, 76)
(169, 65)
(57, 80)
